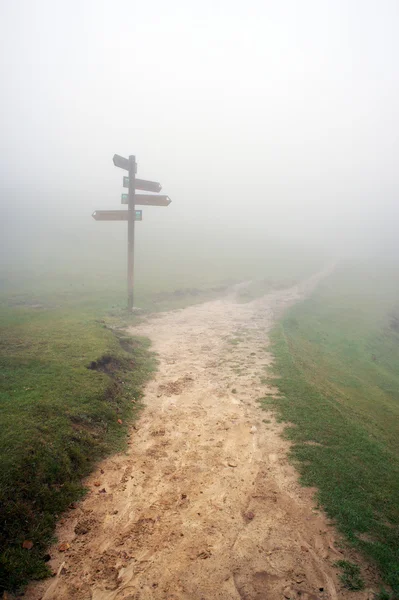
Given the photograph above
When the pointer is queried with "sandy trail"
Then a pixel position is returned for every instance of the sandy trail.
(204, 505)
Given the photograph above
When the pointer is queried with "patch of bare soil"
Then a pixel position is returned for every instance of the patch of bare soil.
(204, 505)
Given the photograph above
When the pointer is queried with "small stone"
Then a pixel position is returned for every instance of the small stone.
(232, 463)
(102, 471)
(81, 529)
(250, 515)
(253, 429)
(97, 483)
(73, 506)
(63, 547)
(27, 545)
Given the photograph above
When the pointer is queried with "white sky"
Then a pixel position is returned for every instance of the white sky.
(274, 115)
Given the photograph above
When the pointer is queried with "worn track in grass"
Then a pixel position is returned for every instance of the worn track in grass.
(204, 505)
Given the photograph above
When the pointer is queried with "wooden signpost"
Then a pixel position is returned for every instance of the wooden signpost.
(131, 215)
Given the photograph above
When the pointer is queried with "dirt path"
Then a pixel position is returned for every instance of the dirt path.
(205, 505)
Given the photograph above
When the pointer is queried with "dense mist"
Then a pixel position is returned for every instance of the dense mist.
(262, 120)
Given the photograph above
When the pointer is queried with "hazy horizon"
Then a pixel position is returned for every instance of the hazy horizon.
(273, 120)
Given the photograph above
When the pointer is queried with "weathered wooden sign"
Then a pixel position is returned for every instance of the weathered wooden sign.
(147, 200)
(144, 185)
(116, 215)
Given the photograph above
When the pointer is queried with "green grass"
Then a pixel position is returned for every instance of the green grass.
(383, 594)
(350, 575)
(57, 418)
(337, 359)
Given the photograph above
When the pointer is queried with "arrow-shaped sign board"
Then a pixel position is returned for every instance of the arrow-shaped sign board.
(143, 184)
(116, 215)
(147, 200)
(121, 162)
(147, 186)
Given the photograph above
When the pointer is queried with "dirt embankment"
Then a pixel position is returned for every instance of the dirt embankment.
(205, 505)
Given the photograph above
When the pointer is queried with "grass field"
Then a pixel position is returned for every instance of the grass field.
(68, 387)
(58, 416)
(170, 274)
(337, 359)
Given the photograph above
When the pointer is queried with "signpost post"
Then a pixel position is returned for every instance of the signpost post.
(131, 215)
(130, 232)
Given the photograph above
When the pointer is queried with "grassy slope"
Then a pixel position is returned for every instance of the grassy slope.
(57, 416)
(337, 356)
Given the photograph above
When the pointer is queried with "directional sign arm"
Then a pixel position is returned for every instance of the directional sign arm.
(116, 215)
(121, 162)
(149, 200)
(143, 184)
(148, 186)
(110, 215)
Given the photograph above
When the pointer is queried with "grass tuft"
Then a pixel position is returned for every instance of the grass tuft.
(383, 594)
(350, 576)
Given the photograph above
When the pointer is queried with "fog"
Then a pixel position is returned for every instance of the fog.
(262, 120)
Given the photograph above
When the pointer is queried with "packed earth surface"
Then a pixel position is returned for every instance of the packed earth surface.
(204, 505)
